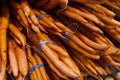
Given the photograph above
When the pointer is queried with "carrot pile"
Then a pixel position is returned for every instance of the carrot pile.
(40, 43)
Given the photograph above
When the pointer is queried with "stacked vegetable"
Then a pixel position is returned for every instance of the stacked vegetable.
(68, 43)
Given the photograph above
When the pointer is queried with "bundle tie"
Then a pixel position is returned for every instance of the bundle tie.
(31, 70)
(43, 43)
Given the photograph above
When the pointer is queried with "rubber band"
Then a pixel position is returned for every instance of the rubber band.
(1, 28)
(41, 16)
(67, 36)
(43, 43)
(31, 70)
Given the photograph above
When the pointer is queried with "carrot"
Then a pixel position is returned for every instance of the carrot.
(108, 3)
(52, 66)
(20, 12)
(82, 51)
(34, 63)
(81, 44)
(3, 32)
(91, 43)
(107, 20)
(12, 58)
(3, 72)
(25, 7)
(111, 61)
(87, 16)
(101, 9)
(62, 27)
(15, 39)
(81, 20)
(42, 69)
(33, 74)
(19, 77)
(17, 33)
(22, 60)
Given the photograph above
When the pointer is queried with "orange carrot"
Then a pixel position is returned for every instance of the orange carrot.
(12, 58)
(22, 60)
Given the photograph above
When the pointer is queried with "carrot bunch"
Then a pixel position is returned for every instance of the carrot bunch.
(70, 44)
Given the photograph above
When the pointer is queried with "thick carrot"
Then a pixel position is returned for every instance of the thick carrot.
(81, 20)
(12, 58)
(3, 32)
(42, 69)
(14, 30)
(22, 60)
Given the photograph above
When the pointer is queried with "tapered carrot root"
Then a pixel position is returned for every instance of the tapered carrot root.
(22, 60)
(3, 32)
(14, 30)
(12, 58)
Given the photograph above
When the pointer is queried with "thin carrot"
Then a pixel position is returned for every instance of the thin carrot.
(42, 69)
(87, 16)
(33, 74)
(34, 63)
(81, 20)
(91, 43)
(15, 39)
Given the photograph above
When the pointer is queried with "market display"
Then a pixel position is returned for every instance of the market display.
(59, 39)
